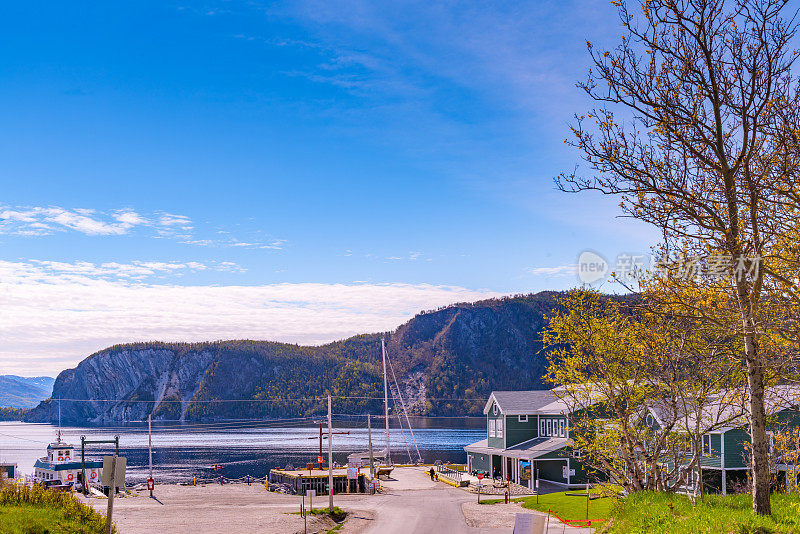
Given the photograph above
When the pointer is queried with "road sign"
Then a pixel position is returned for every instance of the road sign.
(352, 473)
(319, 459)
(311, 493)
(480, 476)
(151, 484)
(119, 478)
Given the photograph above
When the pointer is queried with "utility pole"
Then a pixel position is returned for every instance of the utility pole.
(150, 447)
(330, 457)
(111, 490)
(386, 403)
(371, 457)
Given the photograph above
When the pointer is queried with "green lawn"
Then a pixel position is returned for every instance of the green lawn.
(565, 506)
(650, 512)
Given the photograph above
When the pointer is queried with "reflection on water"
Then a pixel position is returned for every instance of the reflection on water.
(181, 452)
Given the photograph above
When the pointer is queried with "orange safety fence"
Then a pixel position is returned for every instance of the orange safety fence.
(571, 522)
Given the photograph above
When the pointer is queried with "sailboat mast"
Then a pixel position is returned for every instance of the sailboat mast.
(386, 402)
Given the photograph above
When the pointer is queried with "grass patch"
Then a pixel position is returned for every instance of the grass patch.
(39, 510)
(336, 513)
(570, 507)
(667, 513)
(566, 506)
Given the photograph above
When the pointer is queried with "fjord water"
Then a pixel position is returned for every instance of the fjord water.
(184, 451)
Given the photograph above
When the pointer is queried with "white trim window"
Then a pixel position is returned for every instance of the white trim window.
(542, 427)
(499, 428)
(491, 428)
(561, 428)
(494, 409)
(549, 427)
(706, 444)
(522, 418)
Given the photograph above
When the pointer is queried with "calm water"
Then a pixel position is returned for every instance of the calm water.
(181, 452)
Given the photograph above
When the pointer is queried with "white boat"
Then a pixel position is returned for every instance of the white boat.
(61, 467)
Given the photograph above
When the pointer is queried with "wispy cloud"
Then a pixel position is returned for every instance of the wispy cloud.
(558, 270)
(83, 273)
(56, 314)
(37, 221)
(274, 244)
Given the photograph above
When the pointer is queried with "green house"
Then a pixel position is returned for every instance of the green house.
(527, 440)
(724, 457)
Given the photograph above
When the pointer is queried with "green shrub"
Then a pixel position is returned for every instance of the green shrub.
(48, 511)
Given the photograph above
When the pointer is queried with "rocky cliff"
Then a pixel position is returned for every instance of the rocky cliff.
(439, 357)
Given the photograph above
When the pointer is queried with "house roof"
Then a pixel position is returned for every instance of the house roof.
(527, 450)
(526, 402)
(729, 410)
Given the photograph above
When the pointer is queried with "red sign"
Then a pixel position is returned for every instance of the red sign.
(319, 459)
(151, 484)
(480, 476)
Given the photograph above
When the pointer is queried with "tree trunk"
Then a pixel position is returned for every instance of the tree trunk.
(759, 453)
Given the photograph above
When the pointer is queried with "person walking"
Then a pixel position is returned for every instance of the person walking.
(431, 473)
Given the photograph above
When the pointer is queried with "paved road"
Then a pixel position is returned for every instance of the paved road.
(418, 511)
(415, 505)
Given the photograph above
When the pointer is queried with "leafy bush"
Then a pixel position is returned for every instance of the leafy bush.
(69, 509)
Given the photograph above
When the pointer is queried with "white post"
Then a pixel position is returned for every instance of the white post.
(371, 458)
(386, 403)
(150, 446)
(330, 457)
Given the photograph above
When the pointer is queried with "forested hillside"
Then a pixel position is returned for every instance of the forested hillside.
(446, 362)
(23, 391)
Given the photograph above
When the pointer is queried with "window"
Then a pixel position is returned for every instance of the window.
(549, 427)
(542, 427)
(499, 428)
(494, 409)
(523, 418)
(649, 420)
(577, 454)
(561, 428)
(706, 444)
(491, 428)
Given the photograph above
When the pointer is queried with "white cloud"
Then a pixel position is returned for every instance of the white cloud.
(54, 314)
(559, 270)
(39, 221)
(36, 220)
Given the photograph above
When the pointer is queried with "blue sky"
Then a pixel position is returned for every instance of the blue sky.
(342, 163)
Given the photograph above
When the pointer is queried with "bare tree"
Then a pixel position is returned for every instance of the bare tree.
(706, 149)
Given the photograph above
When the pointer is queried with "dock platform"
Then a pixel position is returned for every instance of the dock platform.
(317, 479)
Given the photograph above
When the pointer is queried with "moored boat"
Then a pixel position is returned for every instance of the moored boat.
(61, 467)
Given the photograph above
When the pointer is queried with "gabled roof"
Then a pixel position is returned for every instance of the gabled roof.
(526, 402)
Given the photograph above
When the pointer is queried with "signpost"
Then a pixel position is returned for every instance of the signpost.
(480, 485)
(113, 477)
(311, 494)
(150, 481)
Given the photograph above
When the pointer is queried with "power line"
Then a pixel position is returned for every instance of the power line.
(273, 400)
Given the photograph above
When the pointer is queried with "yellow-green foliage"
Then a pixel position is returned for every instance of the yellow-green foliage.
(39, 509)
